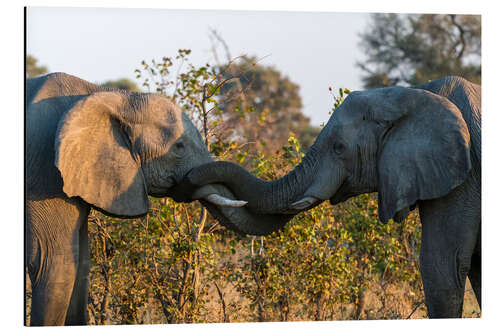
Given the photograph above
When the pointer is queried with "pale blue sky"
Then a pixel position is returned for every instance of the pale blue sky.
(314, 49)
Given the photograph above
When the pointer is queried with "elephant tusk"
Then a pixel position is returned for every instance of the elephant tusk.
(223, 201)
(303, 203)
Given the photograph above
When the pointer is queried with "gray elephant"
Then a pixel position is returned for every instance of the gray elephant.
(417, 146)
(89, 146)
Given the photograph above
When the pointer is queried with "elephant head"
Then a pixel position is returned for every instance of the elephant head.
(113, 148)
(407, 144)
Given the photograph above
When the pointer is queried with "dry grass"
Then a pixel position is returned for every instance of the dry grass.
(395, 302)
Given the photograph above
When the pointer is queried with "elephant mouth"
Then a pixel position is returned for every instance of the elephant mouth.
(347, 191)
(341, 195)
(167, 188)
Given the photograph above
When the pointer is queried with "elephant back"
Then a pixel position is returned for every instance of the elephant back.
(57, 85)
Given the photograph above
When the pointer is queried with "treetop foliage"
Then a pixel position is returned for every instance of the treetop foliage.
(273, 103)
(415, 48)
(123, 83)
(33, 68)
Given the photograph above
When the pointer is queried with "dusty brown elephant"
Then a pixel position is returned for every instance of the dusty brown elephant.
(89, 146)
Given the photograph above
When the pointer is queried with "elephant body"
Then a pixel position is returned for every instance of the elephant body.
(417, 147)
(57, 253)
(93, 147)
(451, 224)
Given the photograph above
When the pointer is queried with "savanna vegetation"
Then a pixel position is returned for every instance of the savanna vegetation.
(178, 265)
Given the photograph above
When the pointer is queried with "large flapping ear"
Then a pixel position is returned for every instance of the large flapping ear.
(424, 152)
(93, 155)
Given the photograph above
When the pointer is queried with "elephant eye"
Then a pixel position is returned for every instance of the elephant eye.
(338, 148)
(179, 145)
(179, 149)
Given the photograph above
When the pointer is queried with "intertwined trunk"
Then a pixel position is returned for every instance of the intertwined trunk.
(264, 197)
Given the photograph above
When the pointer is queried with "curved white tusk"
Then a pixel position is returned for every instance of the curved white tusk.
(223, 201)
(304, 203)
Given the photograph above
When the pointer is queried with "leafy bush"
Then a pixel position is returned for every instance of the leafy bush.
(176, 266)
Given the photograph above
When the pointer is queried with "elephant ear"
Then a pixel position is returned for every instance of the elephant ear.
(424, 152)
(94, 157)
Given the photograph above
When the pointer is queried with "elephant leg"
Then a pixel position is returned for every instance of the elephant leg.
(449, 234)
(53, 257)
(77, 312)
(475, 272)
(52, 292)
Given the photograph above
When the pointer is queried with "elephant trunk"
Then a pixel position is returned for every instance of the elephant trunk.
(245, 221)
(264, 197)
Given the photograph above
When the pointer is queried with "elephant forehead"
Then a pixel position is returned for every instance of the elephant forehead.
(156, 124)
(160, 111)
(158, 134)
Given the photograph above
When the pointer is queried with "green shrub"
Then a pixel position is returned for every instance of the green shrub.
(175, 267)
